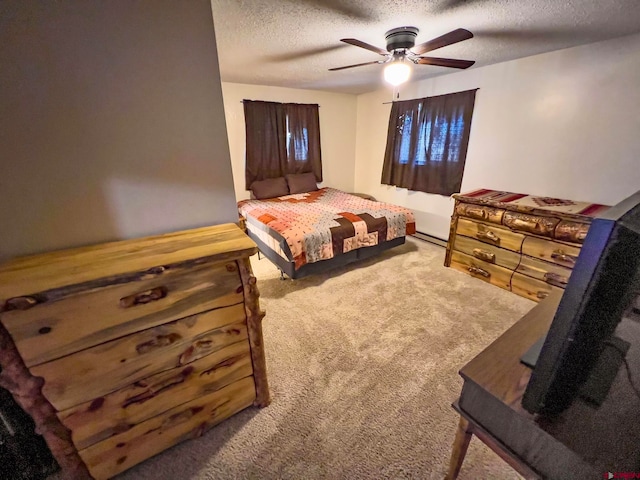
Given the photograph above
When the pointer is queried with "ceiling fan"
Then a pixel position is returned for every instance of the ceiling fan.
(402, 49)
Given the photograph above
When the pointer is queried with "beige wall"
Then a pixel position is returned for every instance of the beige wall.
(112, 122)
(337, 130)
(561, 124)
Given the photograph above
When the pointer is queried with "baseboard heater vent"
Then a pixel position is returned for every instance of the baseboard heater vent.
(430, 238)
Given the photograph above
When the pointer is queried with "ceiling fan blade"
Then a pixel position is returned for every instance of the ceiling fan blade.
(532, 35)
(339, 6)
(358, 43)
(356, 65)
(445, 62)
(289, 56)
(445, 5)
(450, 38)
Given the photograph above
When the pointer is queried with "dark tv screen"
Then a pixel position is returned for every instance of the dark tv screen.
(603, 283)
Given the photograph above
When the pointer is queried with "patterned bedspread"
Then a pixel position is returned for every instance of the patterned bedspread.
(314, 226)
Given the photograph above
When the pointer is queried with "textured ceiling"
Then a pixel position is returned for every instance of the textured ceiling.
(292, 43)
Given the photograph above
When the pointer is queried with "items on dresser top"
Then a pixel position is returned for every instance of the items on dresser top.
(141, 344)
(522, 243)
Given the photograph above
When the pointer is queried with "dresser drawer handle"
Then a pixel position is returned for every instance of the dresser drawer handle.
(555, 279)
(144, 297)
(158, 342)
(563, 257)
(154, 390)
(484, 255)
(476, 270)
(542, 294)
(488, 235)
(20, 303)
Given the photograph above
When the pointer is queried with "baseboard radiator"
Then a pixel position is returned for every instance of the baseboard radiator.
(430, 238)
(430, 222)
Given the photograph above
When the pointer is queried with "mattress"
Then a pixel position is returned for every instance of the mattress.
(323, 224)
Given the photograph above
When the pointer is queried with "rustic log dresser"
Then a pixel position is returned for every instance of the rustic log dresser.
(119, 351)
(519, 242)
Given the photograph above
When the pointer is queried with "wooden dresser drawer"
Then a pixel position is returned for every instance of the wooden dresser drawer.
(547, 272)
(59, 327)
(531, 288)
(490, 234)
(115, 364)
(569, 231)
(120, 452)
(487, 272)
(116, 412)
(536, 224)
(480, 212)
(488, 253)
(550, 251)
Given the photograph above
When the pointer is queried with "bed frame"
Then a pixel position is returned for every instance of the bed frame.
(322, 266)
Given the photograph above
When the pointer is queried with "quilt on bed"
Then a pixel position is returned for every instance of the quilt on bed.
(319, 225)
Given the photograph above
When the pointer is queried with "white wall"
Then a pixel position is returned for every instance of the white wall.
(563, 124)
(337, 130)
(112, 122)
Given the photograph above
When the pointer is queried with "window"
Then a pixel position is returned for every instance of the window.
(427, 143)
(281, 138)
(297, 146)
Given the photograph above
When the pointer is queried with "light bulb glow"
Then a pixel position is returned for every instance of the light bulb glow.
(397, 72)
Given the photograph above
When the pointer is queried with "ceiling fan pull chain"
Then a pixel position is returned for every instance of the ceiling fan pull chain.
(394, 93)
(395, 96)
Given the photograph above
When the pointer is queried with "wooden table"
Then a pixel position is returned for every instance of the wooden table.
(583, 442)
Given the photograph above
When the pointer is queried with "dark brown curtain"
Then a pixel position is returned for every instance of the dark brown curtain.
(266, 134)
(427, 143)
(281, 138)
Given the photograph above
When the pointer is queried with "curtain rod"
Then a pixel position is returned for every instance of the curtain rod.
(408, 99)
(294, 103)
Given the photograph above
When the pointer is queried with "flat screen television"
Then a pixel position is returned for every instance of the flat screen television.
(604, 281)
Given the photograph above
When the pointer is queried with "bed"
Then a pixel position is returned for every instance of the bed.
(309, 233)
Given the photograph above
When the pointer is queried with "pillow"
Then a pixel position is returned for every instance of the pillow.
(270, 188)
(302, 182)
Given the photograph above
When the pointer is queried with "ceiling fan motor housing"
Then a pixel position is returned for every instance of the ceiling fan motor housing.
(401, 38)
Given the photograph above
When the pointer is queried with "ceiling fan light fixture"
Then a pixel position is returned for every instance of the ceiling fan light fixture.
(397, 72)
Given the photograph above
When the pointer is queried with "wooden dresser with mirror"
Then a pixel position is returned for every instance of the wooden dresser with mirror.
(522, 243)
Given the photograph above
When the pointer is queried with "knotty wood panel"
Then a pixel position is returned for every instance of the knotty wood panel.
(117, 412)
(489, 253)
(490, 234)
(556, 252)
(568, 231)
(120, 452)
(97, 371)
(487, 272)
(480, 212)
(38, 273)
(531, 288)
(539, 225)
(51, 330)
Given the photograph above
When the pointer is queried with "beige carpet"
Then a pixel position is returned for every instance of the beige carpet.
(363, 366)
